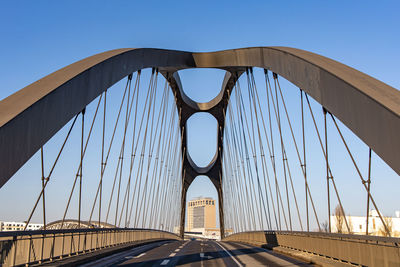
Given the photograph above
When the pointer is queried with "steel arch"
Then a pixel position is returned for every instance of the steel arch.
(31, 116)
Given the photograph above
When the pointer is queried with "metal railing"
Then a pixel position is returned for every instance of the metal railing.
(354, 249)
(35, 247)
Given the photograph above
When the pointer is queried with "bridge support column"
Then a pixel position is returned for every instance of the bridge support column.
(221, 212)
(183, 211)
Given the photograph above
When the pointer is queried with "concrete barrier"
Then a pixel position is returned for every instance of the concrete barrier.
(354, 249)
(35, 247)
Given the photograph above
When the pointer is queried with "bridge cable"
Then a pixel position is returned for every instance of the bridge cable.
(164, 158)
(134, 152)
(329, 169)
(43, 181)
(104, 163)
(163, 107)
(119, 166)
(135, 92)
(150, 156)
(81, 167)
(272, 150)
(51, 172)
(368, 189)
(246, 153)
(133, 155)
(171, 197)
(127, 118)
(261, 147)
(232, 158)
(363, 181)
(327, 172)
(127, 188)
(83, 152)
(229, 160)
(238, 136)
(161, 114)
(283, 152)
(265, 170)
(146, 111)
(251, 94)
(280, 134)
(131, 207)
(297, 150)
(304, 165)
(102, 160)
(238, 133)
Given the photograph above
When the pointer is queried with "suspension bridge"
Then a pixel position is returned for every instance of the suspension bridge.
(298, 137)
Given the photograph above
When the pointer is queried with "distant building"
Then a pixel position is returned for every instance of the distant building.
(201, 214)
(19, 226)
(201, 220)
(358, 224)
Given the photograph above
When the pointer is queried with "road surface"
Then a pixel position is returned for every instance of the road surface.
(196, 253)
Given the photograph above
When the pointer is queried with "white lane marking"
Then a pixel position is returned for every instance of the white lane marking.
(172, 255)
(176, 250)
(129, 257)
(140, 255)
(230, 255)
(203, 256)
(165, 262)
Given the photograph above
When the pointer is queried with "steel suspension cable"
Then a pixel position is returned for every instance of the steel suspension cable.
(252, 88)
(283, 151)
(329, 169)
(51, 172)
(245, 155)
(304, 165)
(368, 190)
(78, 172)
(279, 197)
(135, 92)
(238, 158)
(363, 181)
(297, 150)
(272, 150)
(127, 117)
(262, 155)
(104, 163)
(43, 181)
(81, 167)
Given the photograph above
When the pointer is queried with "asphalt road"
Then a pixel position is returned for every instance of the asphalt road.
(196, 253)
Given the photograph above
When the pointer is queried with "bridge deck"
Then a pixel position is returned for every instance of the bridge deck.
(197, 253)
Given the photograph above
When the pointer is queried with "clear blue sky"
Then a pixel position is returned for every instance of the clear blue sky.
(39, 37)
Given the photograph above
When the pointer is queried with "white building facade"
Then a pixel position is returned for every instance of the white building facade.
(358, 224)
(19, 226)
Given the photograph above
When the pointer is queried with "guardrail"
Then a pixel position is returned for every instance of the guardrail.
(355, 249)
(35, 247)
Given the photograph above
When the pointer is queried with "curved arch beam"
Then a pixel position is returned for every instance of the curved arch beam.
(30, 117)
